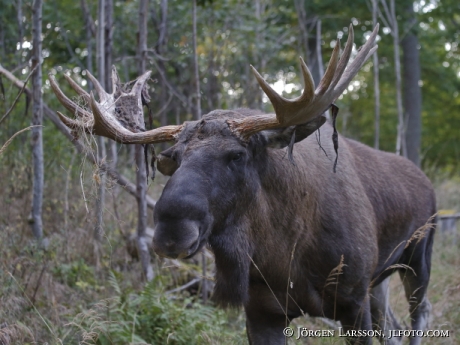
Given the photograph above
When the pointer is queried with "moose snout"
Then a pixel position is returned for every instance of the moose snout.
(176, 241)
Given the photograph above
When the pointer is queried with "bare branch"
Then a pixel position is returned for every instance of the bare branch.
(387, 15)
(8, 142)
(17, 97)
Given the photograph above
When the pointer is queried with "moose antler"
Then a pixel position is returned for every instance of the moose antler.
(117, 116)
(312, 103)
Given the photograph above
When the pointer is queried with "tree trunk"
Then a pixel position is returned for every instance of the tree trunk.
(319, 55)
(101, 152)
(89, 32)
(141, 174)
(392, 20)
(375, 58)
(20, 30)
(254, 94)
(314, 58)
(108, 36)
(160, 49)
(311, 45)
(412, 90)
(37, 120)
(195, 65)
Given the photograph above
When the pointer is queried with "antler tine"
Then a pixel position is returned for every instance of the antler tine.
(372, 51)
(74, 124)
(77, 88)
(309, 84)
(343, 62)
(359, 60)
(271, 94)
(105, 126)
(115, 80)
(65, 101)
(279, 102)
(139, 85)
(330, 71)
(103, 96)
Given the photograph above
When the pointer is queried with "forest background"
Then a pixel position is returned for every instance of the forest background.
(74, 262)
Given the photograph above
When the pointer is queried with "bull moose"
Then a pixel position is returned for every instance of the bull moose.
(290, 236)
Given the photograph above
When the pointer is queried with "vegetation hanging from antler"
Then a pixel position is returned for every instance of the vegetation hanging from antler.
(116, 115)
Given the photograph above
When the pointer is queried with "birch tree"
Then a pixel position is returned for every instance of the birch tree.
(392, 22)
(141, 174)
(108, 56)
(101, 151)
(37, 120)
(195, 66)
(311, 45)
(161, 18)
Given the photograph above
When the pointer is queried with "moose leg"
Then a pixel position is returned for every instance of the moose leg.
(415, 280)
(419, 305)
(265, 328)
(356, 317)
(265, 318)
(382, 315)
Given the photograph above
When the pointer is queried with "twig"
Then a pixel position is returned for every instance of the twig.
(170, 87)
(19, 95)
(39, 280)
(8, 142)
(66, 204)
(183, 287)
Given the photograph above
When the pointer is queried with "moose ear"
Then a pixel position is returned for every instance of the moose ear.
(281, 137)
(166, 164)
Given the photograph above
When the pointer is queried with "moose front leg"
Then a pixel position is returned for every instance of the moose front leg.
(356, 319)
(265, 317)
(263, 328)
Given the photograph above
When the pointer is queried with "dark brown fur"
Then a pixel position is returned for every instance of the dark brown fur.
(271, 223)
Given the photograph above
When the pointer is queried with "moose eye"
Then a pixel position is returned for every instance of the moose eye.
(237, 156)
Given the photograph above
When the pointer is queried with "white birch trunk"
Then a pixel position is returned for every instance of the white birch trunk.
(141, 173)
(101, 151)
(37, 120)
